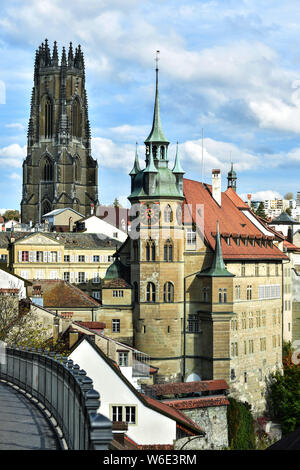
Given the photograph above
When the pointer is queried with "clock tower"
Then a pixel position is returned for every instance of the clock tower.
(157, 249)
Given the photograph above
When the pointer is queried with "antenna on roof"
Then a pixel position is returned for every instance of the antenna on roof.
(202, 162)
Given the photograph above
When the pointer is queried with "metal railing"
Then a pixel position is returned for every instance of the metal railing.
(64, 390)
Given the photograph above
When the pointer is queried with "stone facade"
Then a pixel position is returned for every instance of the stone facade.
(213, 420)
(59, 170)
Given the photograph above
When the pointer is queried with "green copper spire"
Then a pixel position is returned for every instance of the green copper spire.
(151, 168)
(218, 268)
(136, 167)
(177, 167)
(156, 134)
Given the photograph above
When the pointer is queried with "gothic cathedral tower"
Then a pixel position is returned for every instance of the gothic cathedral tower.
(157, 267)
(59, 170)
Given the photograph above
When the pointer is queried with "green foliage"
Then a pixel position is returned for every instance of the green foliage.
(261, 211)
(288, 196)
(241, 433)
(288, 211)
(11, 214)
(284, 398)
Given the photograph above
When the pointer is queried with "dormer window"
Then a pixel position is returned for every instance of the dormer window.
(227, 240)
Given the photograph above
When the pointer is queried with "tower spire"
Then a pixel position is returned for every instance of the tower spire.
(218, 268)
(156, 135)
(136, 167)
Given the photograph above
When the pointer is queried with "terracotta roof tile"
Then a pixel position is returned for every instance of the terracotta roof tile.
(231, 220)
(61, 294)
(189, 387)
(201, 402)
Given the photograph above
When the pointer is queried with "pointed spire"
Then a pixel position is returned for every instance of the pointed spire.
(70, 56)
(177, 167)
(136, 167)
(156, 134)
(55, 55)
(150, 168)
(63, 57)
(47, 54)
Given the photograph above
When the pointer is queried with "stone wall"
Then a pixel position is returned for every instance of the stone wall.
(213, 421)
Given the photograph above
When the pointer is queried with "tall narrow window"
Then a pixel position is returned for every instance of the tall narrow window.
(150, 250)
(168, 214)
(77, 169)
(168, 251)
(168, 292)
(47, 170)
(48, 119)
(150, 292)
(76, 119)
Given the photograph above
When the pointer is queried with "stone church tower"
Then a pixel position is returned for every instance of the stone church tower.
(59, 170)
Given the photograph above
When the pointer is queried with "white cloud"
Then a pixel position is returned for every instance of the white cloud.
(12, 155)
(15, 176)
(15, 125)
(112, 155)
(262, 195)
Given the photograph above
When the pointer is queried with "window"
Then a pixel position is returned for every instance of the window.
(81, 277)
(96, 294)
(262, 344)
(39, 256)
(53, 275)
(81, 258)
(193, 323)
(244, 322)
(251, 346)
(168, 292)
(150, 292)
(67, 258)
(168, 214)
(48, 119)
(245, 377)
(96, 259)
(276, 270)
(39, 274)
(25, 256)
(123, 413)
(222, 296)
(190, 237)
(123, 358)
(205, 292)
(249, 292)
(269, 292)
(150, 250)
(117, 413)
(53, 256)
(258, 319)
(116, 325)
(250, 319)
(3, 258)
(76, 118)
(237, 292)
(243, 269)
(168, 251)
(256, 269)
(118, 293)
(48, 170)
(67, 276)
(234, 349)
(268, 270)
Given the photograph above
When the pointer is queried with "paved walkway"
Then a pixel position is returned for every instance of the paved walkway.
(22, 425)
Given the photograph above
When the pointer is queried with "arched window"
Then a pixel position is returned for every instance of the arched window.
(150, 250)
(168, 214)
(168, 292)
(76, 119)
(150, 292)
(154, 151)
(47, 173)
(168, 251)
(48, 118)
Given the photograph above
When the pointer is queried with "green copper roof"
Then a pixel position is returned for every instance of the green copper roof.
(218, 268)
(156, 134)
(150, 168)
(231, 173)
(136, 167)
(115, 270)
(284, 218)
(177, 167)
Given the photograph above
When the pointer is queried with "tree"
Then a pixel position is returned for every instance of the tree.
(284, 397)
(261, 211)
(288, 196)
(19, 325)
(241, 431)
(288, 211)
(11, 214)
(116, 203)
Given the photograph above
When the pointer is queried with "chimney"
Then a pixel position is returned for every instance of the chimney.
(216, 186)
(71, 224)
(249, 200)
(55, 329)
(92, 208)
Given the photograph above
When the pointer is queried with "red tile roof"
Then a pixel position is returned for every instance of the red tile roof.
(92, 325)
(290, 246)
(174, 414)
(231, 219)
(201, 402)
(61, 294)
(189, 387)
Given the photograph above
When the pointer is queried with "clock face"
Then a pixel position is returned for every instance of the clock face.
(150, 213)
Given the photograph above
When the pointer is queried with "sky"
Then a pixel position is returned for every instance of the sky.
(231, 68)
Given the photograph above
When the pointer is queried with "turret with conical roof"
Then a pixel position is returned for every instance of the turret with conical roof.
(232, 178)
(217, 268)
